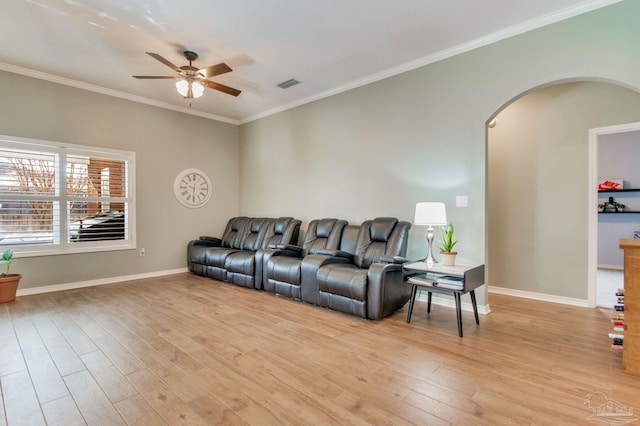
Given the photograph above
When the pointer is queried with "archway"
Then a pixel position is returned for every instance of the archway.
(538, 189)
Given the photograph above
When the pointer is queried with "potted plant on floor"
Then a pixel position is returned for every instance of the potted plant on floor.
(446, 246)
(8, 282)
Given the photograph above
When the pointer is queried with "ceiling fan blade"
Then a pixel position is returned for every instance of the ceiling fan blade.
(155, 76)
(164, 61)
(214, 70)
(220, 87)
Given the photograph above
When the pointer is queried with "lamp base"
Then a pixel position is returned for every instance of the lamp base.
(430, 260)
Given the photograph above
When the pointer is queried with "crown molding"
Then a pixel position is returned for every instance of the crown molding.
(110, 92)
(508, 32)
(514, 30)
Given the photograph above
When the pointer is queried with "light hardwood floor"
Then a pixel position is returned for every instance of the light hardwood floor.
(183, 349)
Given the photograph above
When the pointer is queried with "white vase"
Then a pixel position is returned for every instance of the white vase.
(448, 258)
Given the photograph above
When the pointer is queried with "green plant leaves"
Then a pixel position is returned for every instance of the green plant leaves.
(447, 242)
(6, 260)
(7, 255)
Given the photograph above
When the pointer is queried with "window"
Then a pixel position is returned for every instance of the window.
(59, 198)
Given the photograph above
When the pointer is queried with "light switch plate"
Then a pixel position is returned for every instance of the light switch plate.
(462, 201)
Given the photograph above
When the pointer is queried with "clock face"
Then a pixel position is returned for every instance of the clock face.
(192, 188)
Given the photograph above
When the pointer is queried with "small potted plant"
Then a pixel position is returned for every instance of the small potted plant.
(620, 207)
(8, 282)
(446, 245)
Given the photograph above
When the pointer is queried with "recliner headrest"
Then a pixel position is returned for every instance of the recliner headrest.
(236, 223)
(381, 228)
(280, 226)
(323, 230)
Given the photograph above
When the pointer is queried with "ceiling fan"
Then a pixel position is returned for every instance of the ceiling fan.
(191, 80)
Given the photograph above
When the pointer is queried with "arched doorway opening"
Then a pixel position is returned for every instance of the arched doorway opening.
(538, 207)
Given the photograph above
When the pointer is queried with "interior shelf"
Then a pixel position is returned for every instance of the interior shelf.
(625, 212)
(613, 191)
(608, 191)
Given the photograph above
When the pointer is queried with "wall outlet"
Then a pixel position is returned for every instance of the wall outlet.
(462, 201)
(142, 252)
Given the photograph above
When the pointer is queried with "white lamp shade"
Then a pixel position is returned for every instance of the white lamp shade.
(430, 214)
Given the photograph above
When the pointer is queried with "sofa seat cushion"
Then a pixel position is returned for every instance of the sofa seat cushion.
(345, 280)
(217, 256)
(198, 254)
(284, 269)
(242, 262)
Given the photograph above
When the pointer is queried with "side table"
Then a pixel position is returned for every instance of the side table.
(419, 274)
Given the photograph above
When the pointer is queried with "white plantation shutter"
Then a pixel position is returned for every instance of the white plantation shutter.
(29, 197)
(97, 198)
(61, 198)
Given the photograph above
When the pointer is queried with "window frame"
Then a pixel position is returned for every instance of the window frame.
(61, 223)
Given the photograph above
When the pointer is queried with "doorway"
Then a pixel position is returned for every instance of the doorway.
(605, 259)
(541, 198)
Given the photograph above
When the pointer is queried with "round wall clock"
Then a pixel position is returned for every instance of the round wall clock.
(192, 188)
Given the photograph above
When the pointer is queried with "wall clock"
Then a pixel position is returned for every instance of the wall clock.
(192, 188)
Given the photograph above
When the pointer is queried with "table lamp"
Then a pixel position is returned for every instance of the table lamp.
(431, 214)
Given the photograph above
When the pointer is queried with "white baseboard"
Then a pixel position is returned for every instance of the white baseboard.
(91, 283)
(450, 303)
(584, 303)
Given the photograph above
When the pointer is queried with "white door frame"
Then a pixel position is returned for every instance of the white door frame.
(592, 241)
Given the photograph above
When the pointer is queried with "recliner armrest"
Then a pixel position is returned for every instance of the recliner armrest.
(289, 247)
(393, 259)
(335, 253)
(209, 241)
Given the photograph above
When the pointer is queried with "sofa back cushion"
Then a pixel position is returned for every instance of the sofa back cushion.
(323, 234)
(349, 240)
(383, 236)
(253, 233)
(235, 226)
(283, 230)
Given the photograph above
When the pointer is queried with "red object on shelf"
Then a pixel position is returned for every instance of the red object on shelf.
(610, 184)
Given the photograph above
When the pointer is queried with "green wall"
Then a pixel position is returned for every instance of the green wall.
(165, 142)
(538, 185)
(421, 136)
(372, 151)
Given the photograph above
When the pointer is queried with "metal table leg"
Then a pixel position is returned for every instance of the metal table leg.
(414, 289)
(475, 306)
(458, 313)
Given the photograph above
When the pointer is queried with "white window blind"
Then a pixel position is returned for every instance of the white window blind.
(65, 198)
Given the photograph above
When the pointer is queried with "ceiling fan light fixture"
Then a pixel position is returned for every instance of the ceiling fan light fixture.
(192, 81)
(189, 89)
(198, 89)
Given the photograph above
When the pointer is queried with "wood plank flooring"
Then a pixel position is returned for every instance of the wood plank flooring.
(183, 349)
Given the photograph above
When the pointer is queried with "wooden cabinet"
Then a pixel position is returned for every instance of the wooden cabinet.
(631, 351)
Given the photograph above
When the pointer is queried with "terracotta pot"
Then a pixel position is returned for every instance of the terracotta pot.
(448, 258)
(8, 287)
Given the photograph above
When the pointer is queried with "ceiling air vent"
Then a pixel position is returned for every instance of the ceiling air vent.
(288, 83)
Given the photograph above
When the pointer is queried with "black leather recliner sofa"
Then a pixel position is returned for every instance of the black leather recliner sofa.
(283, 268)
(363, 277)
(355, 269)
(233, 258)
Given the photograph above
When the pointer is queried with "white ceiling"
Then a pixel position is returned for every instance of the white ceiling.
(329, 45)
